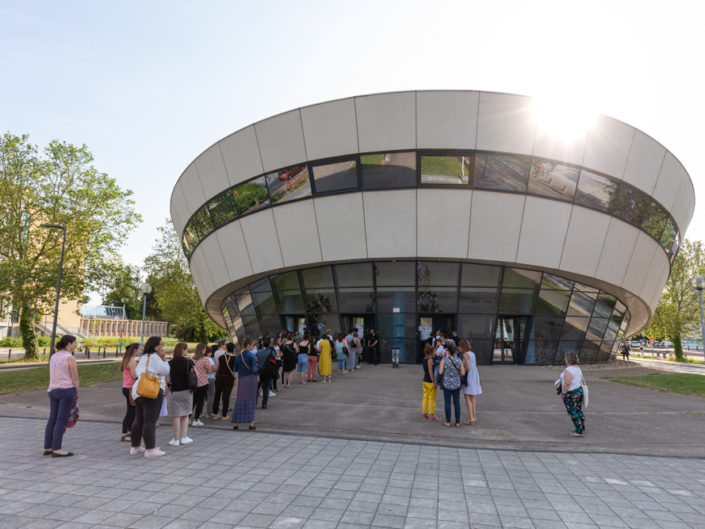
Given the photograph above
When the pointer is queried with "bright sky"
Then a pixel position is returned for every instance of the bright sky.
(148, 85)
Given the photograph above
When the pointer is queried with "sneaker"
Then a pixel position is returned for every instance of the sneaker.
(157, 452)
(136, 450)
(186, 440)
(174, 442)
(215, 416)
(225, 417)
(272, 394)
(197, 422)
(358, 366)
(433, 418)
(575, 434)
(425, 416)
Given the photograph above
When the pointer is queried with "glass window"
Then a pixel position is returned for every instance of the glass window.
(588, 352)
(201, 223)
(670, 235)
(289, 184)
(262, 285)
(516, 301)
(596, 329)
(566, 346)
(318, 323)
(516, 277)
(320, 277)
(388, 170)
(321, 301)
(502, 172)
(391, 274)
(390, 325)
(581, 303)
(630, 204)
(654, 220)
(191, 236)
(251, 195)
(244, 302)
(271, 323)
(290, 302)
(476, 327)
(354, 275)
(396, 299)
(186, 245)
(605, 351)
(574, 328)
(222, 208)
(547, 328)
(453, 170)
(264, 303)
(595, 191)
(480, 275)
(285, 281)
(605, 304)
(552, 179)
(232, 306)
(438, 299)
(556, 282)
(355, 300)
(335, 176)
(478, 299)
(435, 273)
(552, 301)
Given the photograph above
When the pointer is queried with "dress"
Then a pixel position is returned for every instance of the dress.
(246, 398)
(289, 357)
(473, 386)
(324, 362)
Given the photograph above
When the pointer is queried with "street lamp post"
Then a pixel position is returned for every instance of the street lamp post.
(698, 284)
(145, 288)
(58, 284)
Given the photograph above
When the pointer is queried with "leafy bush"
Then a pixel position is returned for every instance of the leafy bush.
(9, 341)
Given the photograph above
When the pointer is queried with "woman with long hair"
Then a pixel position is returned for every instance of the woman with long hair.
(224, 380)
(472, 386)
(572, 393)
(246, 397)
(63, 391)
(180, 401)
(340, 350)
(302, 359)
(208, 352)
(289, 360)
(203, 367)
(452, 370)
(129, 375)
(153, 362)
(428, 404)
(312, 365)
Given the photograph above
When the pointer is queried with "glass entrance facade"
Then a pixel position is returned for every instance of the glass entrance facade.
(510, 315)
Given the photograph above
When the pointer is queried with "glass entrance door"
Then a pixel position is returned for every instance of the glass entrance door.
(510, 340)
(428, 325)
(296, 323)
(362, 323)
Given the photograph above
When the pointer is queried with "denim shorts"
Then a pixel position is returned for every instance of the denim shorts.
(302, 363)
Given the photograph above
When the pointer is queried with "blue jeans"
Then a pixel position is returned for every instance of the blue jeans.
(455, 394)
(60, 402)
(341, 365)
(302, 363)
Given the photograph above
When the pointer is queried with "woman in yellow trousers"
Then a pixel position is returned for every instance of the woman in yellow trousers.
(428, 406)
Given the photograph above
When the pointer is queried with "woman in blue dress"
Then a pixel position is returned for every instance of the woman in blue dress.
(246, 396)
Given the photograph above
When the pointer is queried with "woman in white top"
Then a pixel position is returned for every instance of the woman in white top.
(472, 386)
(153, 361)
(572, 393)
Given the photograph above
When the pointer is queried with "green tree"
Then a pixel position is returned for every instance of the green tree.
(175, 294)
(121, 287)
(677, 311)
(57, 185)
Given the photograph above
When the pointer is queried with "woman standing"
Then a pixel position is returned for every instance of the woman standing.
(325, 359)
(572, 393)
(224, 380)
(428, 405)
(63, 390)
(153, 362)
(452, 369)
(180, 400)
(340, 350)
(203, 367)
(472, 387)
(211, 380)
(246, 396)
(290, 359)
(302, 360)
(373, 344)
(312, 366)
(129, 375)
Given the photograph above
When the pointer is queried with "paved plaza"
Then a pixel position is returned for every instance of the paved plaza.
(356, 454)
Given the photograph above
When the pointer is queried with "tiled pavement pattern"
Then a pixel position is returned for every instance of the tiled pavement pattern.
(252, 479)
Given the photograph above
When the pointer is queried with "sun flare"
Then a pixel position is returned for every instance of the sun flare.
(564, 117)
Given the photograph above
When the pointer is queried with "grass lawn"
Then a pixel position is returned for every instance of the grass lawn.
(37, 378)
(678, 383)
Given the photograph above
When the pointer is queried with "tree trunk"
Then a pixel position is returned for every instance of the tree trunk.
(678, 348)
(29, 334)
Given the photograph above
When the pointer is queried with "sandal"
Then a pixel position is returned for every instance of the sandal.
(48, 452)
(252, 427)
(468, 422)
(447, 425)
(457, 425)
(125, 437)
(236, 427)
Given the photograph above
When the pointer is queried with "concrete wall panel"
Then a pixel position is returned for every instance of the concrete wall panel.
(341, 227)
(390, 223)
(234, 250)
(446, 120)
(495, 223)
(543, 230)
(281, 141)
(262, 241)
(330, 129)
(386, 122)
(298, 235)
(211, 171)
(608, 145)
(583, 243)
(443, 222)
(505, 123)
(644, 162)
(241, 155)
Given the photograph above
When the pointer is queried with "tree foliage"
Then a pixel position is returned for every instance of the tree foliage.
(56, 185)
(121, 287)
(678, 312)
(175, 294)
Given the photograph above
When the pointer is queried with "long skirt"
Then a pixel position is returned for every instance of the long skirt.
(573, 401)
(246, 400)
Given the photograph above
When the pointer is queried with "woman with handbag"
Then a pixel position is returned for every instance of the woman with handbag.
(224, 380)
(289, 359)
(452, 370)
(180, 400)
(148, 394)
(63, 392)
(129, 375)
(472, 386)
(572, 393)
(246, 396)
(203, 367)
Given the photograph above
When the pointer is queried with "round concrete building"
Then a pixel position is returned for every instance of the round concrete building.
(410, 212)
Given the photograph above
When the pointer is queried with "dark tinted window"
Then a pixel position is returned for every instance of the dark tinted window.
(222, 208)
(654, 220)
(396, 324)
(478, 299)
(552, 179)
(480, 275)
(581, 303)
(314, 278)
(335, 176)
(396, 169)
(289, 184)
(321, 301)
(552, 301)
(264, 302)
(437, 299)
(502, 172)
(201, 223)
(353, 300)
(516, 277)
(669, 235)
(396, 299)
(630, 204)
(285, 281)
(354, 275)
(434, 273)
(251, 195)
(399, 273)
(595, 191)
(454, 170)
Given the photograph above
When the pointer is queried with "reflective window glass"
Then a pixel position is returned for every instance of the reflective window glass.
(252, 327)
(388, 170)
(552, 179)
(478, 299)
(596, 329)
(584, 288)
(201, 223)
(516, 277)
(588, 352)
(604, 305)
(476, 327)
(244, 301)
(186, 245)
(448, 170)
(238, 327)
(566, 346)
(669, 235)
(271, 323)
(546, 328)
(335, 176)
(654, 220)
(516, 301)
(399, 273)
(261, 285)
(595, 191)
(630, 204)
(290, 301)
(556, 282)
(435, 273)
(552, 301)
(353, 300)
(289, 184)
(396, 299)
(581, 303)
(396, 324)
(251, 196)
(285, 281)
(437, 299)
(319, 323)
(605, 350)
(540, 352)
(222, 208)
(264, 302)
(232, 306)
(610, 335)
(502, 172)
(320, 277)
(480, 275)
(574, 328)
(322, 300)
(354, 275)
(191, 236)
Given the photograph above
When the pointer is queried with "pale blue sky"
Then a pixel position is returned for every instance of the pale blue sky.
(149, 85)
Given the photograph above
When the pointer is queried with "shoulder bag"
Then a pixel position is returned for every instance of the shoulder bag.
(586, 393)
(148, 386)
(191, 377)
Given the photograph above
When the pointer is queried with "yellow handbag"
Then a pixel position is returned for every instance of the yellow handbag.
(148, 386)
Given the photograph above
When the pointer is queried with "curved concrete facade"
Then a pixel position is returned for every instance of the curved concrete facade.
(436, 222)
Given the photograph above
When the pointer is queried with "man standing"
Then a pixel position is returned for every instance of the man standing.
(266, 364)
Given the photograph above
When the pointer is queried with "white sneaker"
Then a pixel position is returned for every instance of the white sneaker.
(272, 394)
(157, 452)
(138, 450)
(186, 440)
(197, 422)
(358, 366)
(174, 442)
